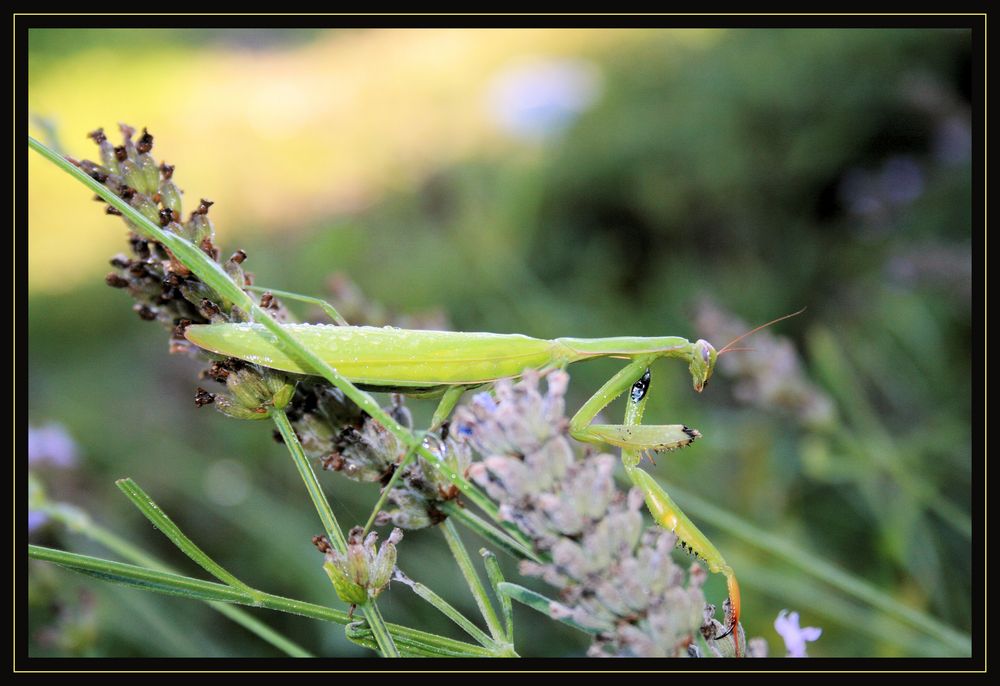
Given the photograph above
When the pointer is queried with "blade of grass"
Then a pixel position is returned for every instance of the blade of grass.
(78, 521)
(461, 556)
(796, 590)
(187, 587)
(166, 526)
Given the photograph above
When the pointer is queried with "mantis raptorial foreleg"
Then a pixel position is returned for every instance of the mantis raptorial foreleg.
(642, 439)
(637, 440)
(666, 513)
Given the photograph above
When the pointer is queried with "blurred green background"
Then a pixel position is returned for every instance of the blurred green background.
(548, 182)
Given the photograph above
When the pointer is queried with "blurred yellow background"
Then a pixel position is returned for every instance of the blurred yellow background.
(279, 137)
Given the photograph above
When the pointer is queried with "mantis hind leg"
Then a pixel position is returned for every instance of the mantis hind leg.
(328, 309)
(447, 404)
(634, 378)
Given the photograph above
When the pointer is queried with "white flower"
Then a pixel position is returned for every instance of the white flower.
(787, 624)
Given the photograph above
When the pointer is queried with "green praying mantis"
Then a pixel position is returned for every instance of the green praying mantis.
(447, 363)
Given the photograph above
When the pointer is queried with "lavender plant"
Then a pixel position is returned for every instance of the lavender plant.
(541, 496)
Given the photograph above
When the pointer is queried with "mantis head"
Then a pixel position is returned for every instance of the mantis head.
(704, 355)
(702, 363)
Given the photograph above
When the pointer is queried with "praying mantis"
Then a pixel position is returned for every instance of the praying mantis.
(446, 363)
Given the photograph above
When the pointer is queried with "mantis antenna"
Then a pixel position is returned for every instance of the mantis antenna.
(727, 348)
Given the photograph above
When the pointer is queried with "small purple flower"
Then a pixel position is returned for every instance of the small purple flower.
(36, 519)
(51, 445)
(485, 401)
(787, 624)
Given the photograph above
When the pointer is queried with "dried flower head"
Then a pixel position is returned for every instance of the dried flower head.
(366, 569)
(164, 289)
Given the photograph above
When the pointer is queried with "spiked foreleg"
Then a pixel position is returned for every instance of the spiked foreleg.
(634, 378)
(666, 513)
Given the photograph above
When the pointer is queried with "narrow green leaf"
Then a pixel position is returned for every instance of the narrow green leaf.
(166, 526)
(327, 308)
(175, 584)
(78, 521)
(447, 610)
(496, 578)
(536, 601)
(140, 577)
(440, 646)
(315, 490)
(461, 556)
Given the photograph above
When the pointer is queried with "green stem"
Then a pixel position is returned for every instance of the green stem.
(361, 633)
(166, 526)
(447, 610)
(461, 556)
(396, 476)
(78, 521)
(322, 505)
(177, 585)
(536, 601)
(142, 577)
(386, 646)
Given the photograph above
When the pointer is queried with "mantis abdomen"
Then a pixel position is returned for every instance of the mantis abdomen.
(387, 356)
